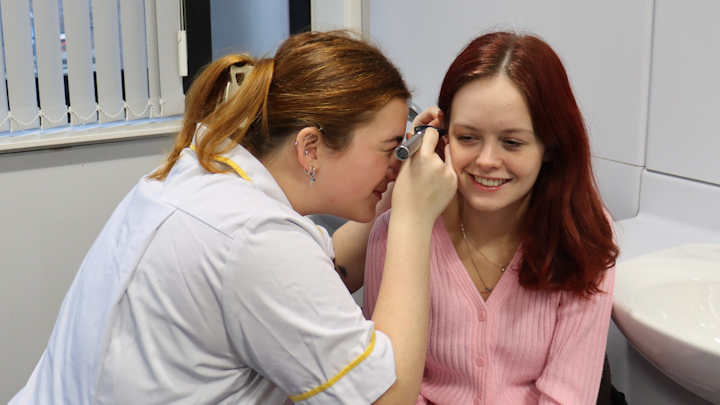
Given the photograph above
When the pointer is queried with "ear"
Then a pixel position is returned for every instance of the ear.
(444, 139)
(307, 142)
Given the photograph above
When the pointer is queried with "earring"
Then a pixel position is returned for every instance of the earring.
(311, 173)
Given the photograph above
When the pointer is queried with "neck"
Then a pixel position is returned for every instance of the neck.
(287, 172)
(498, 229)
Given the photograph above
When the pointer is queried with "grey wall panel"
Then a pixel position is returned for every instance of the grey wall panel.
(683, 130)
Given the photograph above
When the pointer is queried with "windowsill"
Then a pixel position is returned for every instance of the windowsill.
(100, 133)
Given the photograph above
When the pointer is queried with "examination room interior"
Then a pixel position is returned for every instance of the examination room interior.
(644, 73)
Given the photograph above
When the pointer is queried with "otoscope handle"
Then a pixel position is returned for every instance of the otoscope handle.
(409, 146)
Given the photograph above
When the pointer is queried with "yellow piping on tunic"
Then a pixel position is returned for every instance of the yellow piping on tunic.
(338, 376)
(230, 163)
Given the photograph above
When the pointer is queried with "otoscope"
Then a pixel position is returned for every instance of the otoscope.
(410, 145)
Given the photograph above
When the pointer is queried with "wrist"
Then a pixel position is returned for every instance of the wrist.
(411, 221)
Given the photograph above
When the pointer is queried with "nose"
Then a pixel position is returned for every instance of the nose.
(488, 156)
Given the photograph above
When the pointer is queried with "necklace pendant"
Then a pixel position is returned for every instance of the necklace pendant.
(488, 290)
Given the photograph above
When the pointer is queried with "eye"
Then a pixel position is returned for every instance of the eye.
(397, 141)
(512, 143)
(465, 138)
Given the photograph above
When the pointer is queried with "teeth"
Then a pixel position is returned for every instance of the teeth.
(489, 182)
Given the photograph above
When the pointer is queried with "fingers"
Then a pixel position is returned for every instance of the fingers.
(427, 117)
(438, 120)
(429, 142)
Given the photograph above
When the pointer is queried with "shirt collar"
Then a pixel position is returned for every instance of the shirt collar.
(252, 167)
(257, 172)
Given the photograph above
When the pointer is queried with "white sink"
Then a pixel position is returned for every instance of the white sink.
(667, 304)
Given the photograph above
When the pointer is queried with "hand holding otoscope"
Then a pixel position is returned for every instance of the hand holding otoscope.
(410, 145)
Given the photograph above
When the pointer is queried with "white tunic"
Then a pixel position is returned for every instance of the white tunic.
(209, 288)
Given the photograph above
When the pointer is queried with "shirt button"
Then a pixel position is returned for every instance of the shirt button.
(481, 315)
(478, 400)
(480, 361)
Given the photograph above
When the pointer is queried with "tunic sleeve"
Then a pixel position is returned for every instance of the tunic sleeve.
(290, 318)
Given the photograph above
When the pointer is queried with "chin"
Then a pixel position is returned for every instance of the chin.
(488, 206)
(365, 215)
(354, 215)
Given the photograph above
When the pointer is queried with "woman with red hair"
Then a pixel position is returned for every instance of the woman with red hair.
(522, 260)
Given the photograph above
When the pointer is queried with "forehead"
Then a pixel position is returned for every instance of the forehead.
(490, 100)
(386, 123)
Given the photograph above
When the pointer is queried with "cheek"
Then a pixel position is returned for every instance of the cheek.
(371, 171)
(461, 158)
(458, 167)
(531, 168)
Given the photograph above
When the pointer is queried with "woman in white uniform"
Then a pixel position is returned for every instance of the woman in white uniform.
(210, 285)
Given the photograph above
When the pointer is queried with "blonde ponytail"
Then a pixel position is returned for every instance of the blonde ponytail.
(227, 121)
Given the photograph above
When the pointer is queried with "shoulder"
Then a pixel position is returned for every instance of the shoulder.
(285, 230)
(222, 201)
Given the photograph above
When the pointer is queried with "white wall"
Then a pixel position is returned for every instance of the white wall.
(53, 205)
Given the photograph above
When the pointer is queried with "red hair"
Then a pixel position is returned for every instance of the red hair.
(566, 234)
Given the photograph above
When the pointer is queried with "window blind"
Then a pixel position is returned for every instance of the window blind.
(49, 63)
(19, 64)
(79, 62)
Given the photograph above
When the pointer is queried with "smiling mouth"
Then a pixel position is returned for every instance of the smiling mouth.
(490, 182)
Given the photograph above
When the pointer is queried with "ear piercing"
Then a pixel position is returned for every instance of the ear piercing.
(312, 174)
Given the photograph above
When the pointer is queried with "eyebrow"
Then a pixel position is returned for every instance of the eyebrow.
(468, 127)
(518, 130)
(505, 131)
(396, 138)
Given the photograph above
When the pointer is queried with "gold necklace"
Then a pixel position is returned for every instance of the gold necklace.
(472, 259)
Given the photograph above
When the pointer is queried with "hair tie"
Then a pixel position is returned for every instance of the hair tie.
(233, 84)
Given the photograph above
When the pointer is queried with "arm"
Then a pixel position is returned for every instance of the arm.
(575, 360)
(402, 306)
(423, 189)
(374, 263)
(350, 242)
